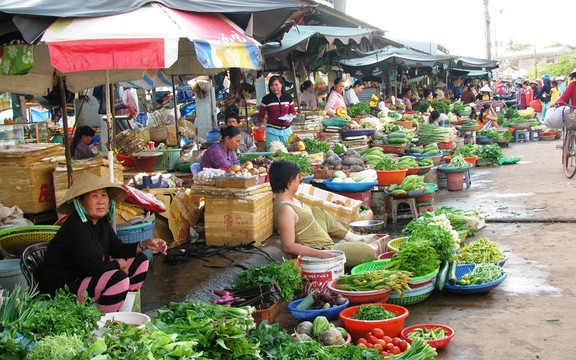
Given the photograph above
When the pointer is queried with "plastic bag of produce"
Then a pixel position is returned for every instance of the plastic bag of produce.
(555, 116)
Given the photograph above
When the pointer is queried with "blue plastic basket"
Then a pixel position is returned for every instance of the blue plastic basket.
(461, 270)
(350, 187)
(423, 156)
(310, 315)
(136, 233)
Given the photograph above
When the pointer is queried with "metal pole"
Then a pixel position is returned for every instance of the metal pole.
(295, 82)
(109, 124)
(175, 104)
(67, 154)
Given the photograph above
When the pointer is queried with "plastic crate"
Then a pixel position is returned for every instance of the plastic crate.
(136, 233)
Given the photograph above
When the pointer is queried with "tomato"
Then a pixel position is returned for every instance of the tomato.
(361, 341)
(389, 346)
(396, 341)
(372, 339)
(395, 350)
(382, 342)
(388, 339)
(379, 333)
(378, 347)
(371, 346)
(384, 353)
(403, 345)
(361, 345)
(369, 334)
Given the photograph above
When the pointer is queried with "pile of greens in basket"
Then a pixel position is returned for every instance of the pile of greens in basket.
(468, 150)
(355, 110)
(419, 258)
(458, 161)
(491, 153)
(302, 161)
(460, 219)
(490, 133)
(435, 229)
(286, 275)
(316, 146)
(428, 134)
(373, 312)
(386, 163)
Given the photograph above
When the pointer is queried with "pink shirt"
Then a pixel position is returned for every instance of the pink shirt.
(335, 101)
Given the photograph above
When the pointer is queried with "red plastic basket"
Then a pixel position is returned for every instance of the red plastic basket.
(437, 344)
(361, 297)
(359, 328)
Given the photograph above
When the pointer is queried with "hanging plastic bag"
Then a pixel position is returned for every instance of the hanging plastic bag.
(144, 199)
(555, 116)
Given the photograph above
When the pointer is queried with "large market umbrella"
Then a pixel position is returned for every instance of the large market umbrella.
(93, 51)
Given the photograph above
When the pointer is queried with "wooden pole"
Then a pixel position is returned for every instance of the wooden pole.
(109, 119)
(175, 104)
(296, 95)
(67, 154)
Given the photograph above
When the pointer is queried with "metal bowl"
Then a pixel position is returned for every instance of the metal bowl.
(367, 226)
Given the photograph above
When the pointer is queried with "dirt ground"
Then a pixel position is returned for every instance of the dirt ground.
(530, 213)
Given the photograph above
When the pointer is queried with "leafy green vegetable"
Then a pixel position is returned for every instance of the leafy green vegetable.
(490, 152)
(510, 112)
(489, 133)
(355, 110)
(458, 161)
(440, 238)
(316, 146)
(56, 347)
(468, 150)
(386, 163)
(419, 258)
(373, 312)
(287, 276)
(442, 106)
(270, 339)
(302, 161)
(59, 315)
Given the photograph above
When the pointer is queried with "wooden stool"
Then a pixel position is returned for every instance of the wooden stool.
(521, 135)
(410, 213)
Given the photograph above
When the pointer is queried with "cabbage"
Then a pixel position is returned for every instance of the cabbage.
(366, 174)
(338, 180)
(339, 174)
(348, 180)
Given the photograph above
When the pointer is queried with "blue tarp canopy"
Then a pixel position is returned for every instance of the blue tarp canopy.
(471, 63)
(383, 58)
(313, 39)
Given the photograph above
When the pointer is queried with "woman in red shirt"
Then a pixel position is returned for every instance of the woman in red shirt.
(569, 96)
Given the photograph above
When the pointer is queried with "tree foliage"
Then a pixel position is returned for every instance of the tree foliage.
(565, 64)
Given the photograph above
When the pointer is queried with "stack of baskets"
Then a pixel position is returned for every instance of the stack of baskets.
(421, 286)
(136, 233)
(14, 240)
(128, 142)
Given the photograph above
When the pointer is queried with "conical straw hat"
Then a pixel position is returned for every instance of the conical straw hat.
(85, 183)
(485, 88)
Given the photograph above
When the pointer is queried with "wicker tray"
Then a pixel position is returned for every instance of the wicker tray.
(547, 137)
(16, 239)
(235, 181)
(391, 149)
(522, 126)
(405, 124)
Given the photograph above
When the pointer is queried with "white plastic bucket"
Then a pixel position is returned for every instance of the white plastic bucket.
(317, 273)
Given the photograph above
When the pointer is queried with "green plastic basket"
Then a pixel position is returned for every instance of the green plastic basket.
(411, 297)
(379, 265)
(335, 121)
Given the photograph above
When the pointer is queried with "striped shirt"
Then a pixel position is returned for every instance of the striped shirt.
(276, 107)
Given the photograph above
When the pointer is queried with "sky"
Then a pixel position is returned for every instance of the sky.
(458, 25)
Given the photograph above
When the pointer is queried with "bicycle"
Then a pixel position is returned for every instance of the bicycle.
(569, 143)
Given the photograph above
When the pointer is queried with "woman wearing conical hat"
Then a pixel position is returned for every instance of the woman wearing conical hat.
(85, 255)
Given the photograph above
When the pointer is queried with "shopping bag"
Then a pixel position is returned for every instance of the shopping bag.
(536, 105)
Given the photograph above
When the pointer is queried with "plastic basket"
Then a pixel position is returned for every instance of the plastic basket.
(359, 132)
(437, 344)
(270, 313)
(412, 297)
(15, 240)
(392, 149)
(394, 244)
(350, 187)
(310, 315)
(462, 234)
(380, 264)
(423, 170)
(136, 233)
(361, 297)
(461, 270)
(168, 160)
(359, 328)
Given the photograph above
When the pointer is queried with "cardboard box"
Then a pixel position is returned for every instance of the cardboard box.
(346, 214)
(237, 220)
(26, 179)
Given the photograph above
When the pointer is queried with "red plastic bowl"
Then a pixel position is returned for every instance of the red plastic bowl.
(386, 255)
(437, 344)
(127, 161)
(361, 297)
(359, 328)
(387, 178)
(412, 171)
